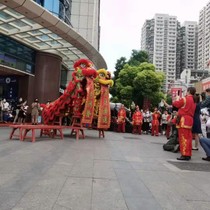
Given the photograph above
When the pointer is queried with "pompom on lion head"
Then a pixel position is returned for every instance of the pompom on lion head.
(86, 67)
(83, 63)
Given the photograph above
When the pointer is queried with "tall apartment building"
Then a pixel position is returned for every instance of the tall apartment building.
(191, 44)
(204, 38)
(164, 45)
(187, 47)
(171, 47)
(180, 49)
(147, 38)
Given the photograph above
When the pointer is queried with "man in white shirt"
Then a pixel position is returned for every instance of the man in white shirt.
(164, 122)
(5, 110)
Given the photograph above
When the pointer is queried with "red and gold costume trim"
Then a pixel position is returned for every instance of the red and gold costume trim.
(137, 118)
(186, 111)
(104, 115)
(89, 103)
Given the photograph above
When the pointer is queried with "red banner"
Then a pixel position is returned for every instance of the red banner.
(104, 115)
(89, 103)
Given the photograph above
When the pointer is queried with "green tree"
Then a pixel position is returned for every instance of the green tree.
(134, 83)
(138, 57)
(119, 66)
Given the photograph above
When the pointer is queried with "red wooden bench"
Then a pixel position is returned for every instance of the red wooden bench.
(77, 126)
(77, 130)
(50, 130)
(16, 131)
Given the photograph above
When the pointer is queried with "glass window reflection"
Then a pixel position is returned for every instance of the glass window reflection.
(52, 6)
(16, 55)
(60, 8)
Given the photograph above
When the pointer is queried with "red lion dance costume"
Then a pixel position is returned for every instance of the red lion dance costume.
(73, 97)
(79, 100)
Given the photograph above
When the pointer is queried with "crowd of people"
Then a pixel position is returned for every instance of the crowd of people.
(180, 122)
(17, 111)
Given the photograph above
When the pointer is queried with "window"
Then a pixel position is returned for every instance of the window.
(16, 55)
(41, 2)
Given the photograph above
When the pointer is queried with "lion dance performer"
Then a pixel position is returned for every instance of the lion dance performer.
(186, 108)
(121, 119)
(137, 121)
(155, 122)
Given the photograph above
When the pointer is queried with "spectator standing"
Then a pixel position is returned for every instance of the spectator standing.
(164, 122)
(35, 111)
(196, 129)
(22, 112)
(17, 109)
(205, 99)
(146, 121)
(5, 110)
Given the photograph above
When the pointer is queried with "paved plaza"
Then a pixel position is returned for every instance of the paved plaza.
(119, 172)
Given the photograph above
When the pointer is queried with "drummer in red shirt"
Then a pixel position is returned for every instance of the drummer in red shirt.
(137, 121)
(186, 108)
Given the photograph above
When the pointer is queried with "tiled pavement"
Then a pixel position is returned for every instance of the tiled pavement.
(119, 172)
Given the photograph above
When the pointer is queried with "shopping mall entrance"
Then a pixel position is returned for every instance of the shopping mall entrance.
(9, 88)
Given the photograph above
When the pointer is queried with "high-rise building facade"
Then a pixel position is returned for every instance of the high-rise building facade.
(171, 47)
(59, 8)
(204, 38)
(180, 49)
(187, 47)
(191, 44)
(147, 38)
(164, 45)
(82, 15)
(85, 20)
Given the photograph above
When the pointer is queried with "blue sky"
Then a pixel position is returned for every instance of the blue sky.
(121, 22)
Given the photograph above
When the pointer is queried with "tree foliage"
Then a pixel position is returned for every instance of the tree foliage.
(136, 80)
(119, 66)
(138, 57)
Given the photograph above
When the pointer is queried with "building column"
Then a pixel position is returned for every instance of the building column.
(47, 76)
